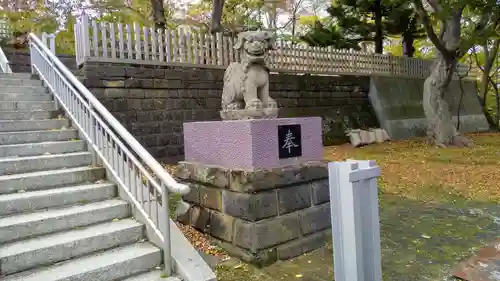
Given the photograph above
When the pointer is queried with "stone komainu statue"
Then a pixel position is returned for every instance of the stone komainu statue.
(246, 84)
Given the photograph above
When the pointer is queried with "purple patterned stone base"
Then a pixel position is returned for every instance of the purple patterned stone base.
(249, 144)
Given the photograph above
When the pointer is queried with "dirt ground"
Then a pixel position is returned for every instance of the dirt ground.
(437, 207)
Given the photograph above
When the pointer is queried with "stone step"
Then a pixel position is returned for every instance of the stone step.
(36, 200)
(27, 115)
(115, 264)
(41, 148)
(154, 275)
(9, 81)
(33, 125)
(50, 179)
(27, 105)
(7, 96)
(16, 75)
(18, 165)
(22, 226)
(23, 89)
(37, 136)
(52, 248)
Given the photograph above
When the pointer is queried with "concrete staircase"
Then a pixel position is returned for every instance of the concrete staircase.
(59, 217)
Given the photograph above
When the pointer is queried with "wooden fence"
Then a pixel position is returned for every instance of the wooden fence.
(5, 31)
(111, 42)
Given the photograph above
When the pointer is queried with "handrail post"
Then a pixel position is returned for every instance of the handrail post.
(167, 252)
(33, 71)
(93, 137)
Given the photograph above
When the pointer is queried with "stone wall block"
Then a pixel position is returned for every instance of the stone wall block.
(260, 258)
(167, 83)
(315, 218)
(109, 72)
(210, 197)
(316, 240)
(289, 250)
(199, 218)
(302, 245)
(294, 198)
(250, 207)
(140, 72)
(215, 176)
(194, 194)
(145, 83)
(320, 191)
(264, 234)
(260, 180)
(221, 226)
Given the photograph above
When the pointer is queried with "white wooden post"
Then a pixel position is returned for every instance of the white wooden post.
(49, 40)
(44, 38)
(104, 40)
(85, 37)
(355, 220)
(52, 42)
(112, 38)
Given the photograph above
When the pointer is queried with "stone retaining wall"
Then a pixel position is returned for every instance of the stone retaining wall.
(260, 216)
(154, 101)
(20, 60)
(398, 104)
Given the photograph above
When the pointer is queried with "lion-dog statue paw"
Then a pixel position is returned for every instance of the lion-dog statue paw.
(246, 84)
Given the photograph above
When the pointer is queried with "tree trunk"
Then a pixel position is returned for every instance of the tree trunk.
(158, 14)
(408, 49)
(217, 9)
(483, 96)
(379, 35)
(441, 129)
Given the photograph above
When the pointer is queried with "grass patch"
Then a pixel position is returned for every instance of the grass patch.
(437, 207)
(415, 170)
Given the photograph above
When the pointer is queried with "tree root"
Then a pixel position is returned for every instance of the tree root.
(458, 141)
(462, 141)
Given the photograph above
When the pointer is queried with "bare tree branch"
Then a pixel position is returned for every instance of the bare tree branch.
(428, 27)
(488, 21)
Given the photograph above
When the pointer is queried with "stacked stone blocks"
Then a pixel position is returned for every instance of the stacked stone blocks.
(263, 215)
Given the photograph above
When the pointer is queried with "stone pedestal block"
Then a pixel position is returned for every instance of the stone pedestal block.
(262, 215)
(250, 144)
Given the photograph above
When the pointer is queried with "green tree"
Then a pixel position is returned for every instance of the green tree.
(331, 35)
(401, 20)
(236, 14)
(356, 21)
(486, 58)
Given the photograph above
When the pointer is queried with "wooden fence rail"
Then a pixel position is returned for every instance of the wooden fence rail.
(116, 42)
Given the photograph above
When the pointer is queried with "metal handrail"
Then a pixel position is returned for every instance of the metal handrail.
(4, 63)
(112, 145)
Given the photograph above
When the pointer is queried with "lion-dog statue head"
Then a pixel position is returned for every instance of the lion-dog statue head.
(254, 45)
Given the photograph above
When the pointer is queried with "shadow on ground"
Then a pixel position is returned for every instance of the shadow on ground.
(420, 241)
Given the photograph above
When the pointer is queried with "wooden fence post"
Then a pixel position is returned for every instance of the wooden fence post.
(83, 39)
(49, 40)
(355, 220)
